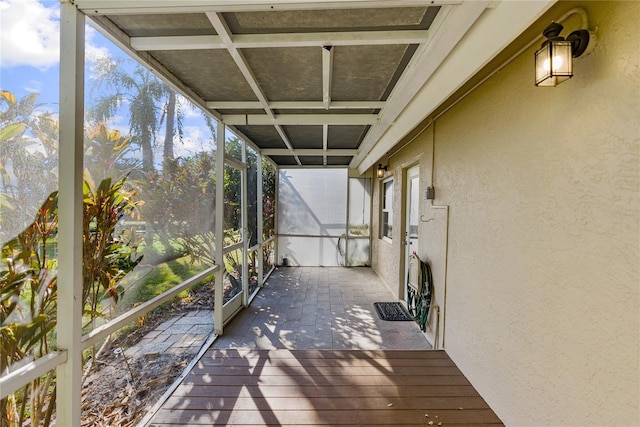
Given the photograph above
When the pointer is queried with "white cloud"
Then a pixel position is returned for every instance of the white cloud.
(33, 86)
(30, 33)
(189, 110)
(92, 52)
(194, 140)
(119, 122)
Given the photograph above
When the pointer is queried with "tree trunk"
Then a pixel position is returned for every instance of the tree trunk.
(147, 153)
(170, 125)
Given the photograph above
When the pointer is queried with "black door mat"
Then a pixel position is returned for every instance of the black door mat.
(392, 311)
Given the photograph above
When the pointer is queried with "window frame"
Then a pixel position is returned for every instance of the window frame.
(386, 207)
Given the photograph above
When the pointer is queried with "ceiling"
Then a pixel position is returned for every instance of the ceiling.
(313, 83)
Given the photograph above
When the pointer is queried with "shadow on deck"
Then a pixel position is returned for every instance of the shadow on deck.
(310, 350)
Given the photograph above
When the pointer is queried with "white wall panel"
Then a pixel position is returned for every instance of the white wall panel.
(310, 251)
(311, 203)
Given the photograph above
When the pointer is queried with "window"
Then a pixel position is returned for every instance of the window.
(386, 222)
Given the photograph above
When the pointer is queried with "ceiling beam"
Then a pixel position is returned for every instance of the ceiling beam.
(177, 43)
(325, 143)
(253, 41)
(327, 68)
(296, 105)
(223, 31)
(128, 7)
(225, 36)
(300, 119)
(286, 141)
(343, 38)
(308, 152)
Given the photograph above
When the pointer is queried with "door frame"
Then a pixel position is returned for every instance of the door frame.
(240, 300)
(408, 244)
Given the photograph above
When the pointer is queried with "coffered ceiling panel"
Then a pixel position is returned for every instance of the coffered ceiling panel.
(204, 71)
(319, 83)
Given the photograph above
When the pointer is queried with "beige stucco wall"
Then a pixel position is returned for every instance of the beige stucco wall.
(543, 259)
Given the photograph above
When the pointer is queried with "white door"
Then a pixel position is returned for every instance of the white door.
(412, 216)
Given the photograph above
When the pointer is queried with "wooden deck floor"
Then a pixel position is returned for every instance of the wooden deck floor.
(311, 351)
(284, 387)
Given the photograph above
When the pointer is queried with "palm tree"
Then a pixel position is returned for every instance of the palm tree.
(142, 91)
(170, 112)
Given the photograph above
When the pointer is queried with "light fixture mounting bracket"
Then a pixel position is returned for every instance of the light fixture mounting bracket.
(579, 41)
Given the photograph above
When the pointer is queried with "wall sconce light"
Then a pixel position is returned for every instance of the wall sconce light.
(554, 60)
(381, 170)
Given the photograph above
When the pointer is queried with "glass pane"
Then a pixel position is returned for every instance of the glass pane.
(268, 199)
(232, 205)
(415, 206)
(387, 210)
(268, 258)
(359, 206)
(387, 226)
(252, 196)
(233, 145)
(28, 205)
(388, 195)
(150, 160)
(233, 274)
(254, 256)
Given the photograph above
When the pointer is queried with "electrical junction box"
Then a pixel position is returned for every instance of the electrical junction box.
(430, 193)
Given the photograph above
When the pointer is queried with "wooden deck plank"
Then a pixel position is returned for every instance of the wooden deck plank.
(310, 380)
(382, 363)
(331, 417)
(293, 371)
(226, 354)
(325, 387)
(360, 425)
(344, 391)
(259, 400)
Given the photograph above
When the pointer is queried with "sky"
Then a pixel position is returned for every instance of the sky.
(30, 47)
(30, 60)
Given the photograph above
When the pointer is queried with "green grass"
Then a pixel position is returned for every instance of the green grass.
(161, 250)
(147, 282)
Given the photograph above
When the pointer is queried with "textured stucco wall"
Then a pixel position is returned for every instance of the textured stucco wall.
(543, 259)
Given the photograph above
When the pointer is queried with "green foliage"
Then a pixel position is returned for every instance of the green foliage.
(28, 161)
(181, 203)
(269, 178)
(107, 255)
(177, 216)
(154, 280)
(107, 152)
(28, 309)
(11, 131)
(28, 285)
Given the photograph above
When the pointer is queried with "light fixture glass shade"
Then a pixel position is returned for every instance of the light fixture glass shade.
(554, 63)
(381, 170)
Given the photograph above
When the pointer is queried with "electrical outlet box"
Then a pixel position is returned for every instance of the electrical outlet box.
(430, 193)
